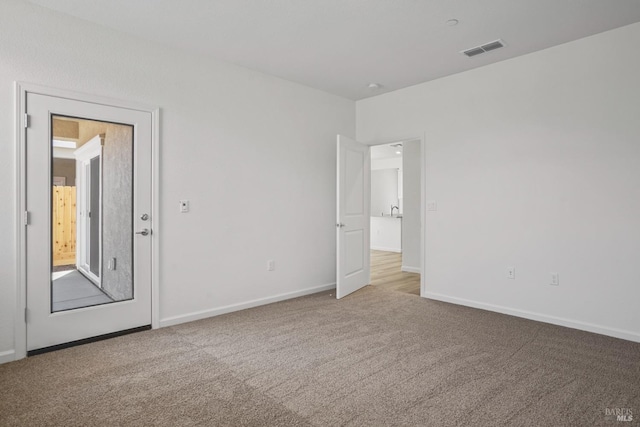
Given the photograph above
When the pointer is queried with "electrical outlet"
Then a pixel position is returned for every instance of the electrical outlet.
(271, 265)
(511, 272)
(184, 206)
(555, 279)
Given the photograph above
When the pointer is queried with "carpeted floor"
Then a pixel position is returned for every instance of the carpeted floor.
(375, 358)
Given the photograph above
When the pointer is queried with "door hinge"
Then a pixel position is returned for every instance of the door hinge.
(26, 120)
(26, 217)
(26, 315)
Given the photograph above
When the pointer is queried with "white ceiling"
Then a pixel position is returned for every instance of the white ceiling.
(340, 46)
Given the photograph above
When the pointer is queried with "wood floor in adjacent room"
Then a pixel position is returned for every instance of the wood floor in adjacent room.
(386, 272)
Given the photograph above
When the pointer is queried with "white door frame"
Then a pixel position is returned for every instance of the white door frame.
(89, 150)
(423, 198)
(21, 121)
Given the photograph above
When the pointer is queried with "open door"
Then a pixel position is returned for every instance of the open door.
(352, 225)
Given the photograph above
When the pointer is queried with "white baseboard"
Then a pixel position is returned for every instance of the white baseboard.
(410, 269)
(575, 324)
(380, 248)
(7, 356)
(198, 315)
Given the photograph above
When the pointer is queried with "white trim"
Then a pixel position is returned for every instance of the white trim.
(58, 143)
(20, 326)
(155, 220)
(198, 315)
(7, 356)
(84, 155)
(385, 249)
(79, 96)
(63, 153)
(91, 148)
(20, 99)
(408, 269)
(423, 214)
(560, 321)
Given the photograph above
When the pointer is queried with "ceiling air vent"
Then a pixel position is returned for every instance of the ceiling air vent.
(484, 48)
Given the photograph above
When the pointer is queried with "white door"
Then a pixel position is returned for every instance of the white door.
(353, 206)
(63, 305)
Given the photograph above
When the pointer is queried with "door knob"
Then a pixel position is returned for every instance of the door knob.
(144, 232)
(340, 225)
(144, 217)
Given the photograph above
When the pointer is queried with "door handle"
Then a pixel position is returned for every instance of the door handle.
(340, 225)
(144, 232)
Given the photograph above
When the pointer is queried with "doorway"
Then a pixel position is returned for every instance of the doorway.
(86, 190)
(395, 216)
(355, 211)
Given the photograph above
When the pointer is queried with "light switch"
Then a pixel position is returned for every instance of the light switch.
(184, 206)
(432, 205)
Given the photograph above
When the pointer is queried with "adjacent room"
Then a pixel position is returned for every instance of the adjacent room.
(395, 216)
(90, 213)
(319, 213)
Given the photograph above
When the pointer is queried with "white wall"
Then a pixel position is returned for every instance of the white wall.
(411, 211)
(254, 154)
(535, 163)
(384, 191)
(386, 163)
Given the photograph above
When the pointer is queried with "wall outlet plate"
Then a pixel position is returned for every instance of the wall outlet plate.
(184, 206)
(511, 272)
(555, 279)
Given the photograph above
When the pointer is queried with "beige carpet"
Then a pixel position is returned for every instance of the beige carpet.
(375, 358)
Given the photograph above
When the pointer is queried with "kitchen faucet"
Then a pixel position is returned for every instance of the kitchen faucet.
(394, 207)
